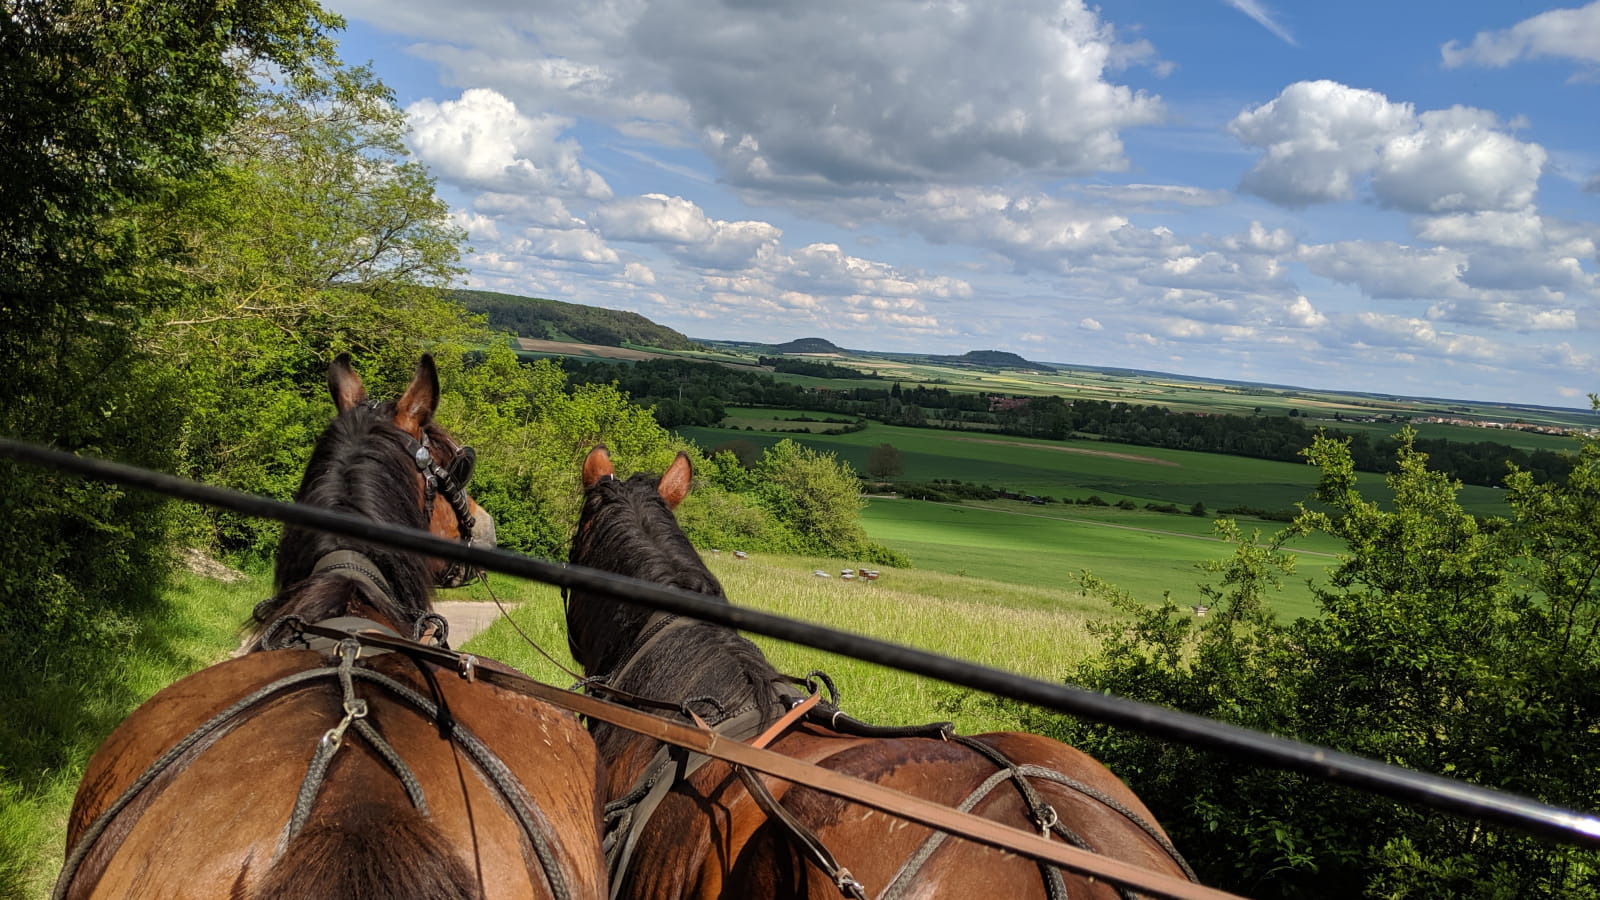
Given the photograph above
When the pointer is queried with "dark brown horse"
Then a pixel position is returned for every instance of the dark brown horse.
(706, 835)
(305, 771)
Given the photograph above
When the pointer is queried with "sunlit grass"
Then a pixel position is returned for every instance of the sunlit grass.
(1035, 631)
(62, 707)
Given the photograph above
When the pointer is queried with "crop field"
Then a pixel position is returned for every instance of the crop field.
(1177, 393)
(1077, 469)
(1147, 554)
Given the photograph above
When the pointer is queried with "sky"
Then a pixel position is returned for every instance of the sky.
(1388, 197)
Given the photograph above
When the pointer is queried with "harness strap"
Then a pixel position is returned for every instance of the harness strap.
(355, 713)
(855, 790)
(515, 796)
(815, 850)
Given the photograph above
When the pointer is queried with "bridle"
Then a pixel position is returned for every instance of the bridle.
(450, 482)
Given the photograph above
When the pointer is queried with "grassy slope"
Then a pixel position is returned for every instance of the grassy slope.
(73, 713)
(1145, 553)
(1033, 630)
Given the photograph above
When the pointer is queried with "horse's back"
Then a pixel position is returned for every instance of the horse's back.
(215, 823)
(893, 857)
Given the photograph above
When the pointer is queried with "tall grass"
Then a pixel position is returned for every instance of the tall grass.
(59, 707)
(1037, 631)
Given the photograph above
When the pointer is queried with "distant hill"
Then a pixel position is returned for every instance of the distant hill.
(552, 320)
(996, 359)
(808, 345)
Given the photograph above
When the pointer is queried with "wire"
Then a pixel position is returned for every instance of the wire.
(1323, 763)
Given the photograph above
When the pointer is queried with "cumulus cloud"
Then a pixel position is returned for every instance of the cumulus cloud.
(1386, 270)
(686, 231)
(1457, 161)
(1321, 138)
(1559, 33)
(897, 90)
(481, 141)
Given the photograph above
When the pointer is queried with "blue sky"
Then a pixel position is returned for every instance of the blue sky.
(1395, 197)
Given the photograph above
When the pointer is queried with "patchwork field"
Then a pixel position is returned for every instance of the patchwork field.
(1071, 470)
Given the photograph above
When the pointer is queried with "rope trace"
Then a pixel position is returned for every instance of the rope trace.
(1394, 782)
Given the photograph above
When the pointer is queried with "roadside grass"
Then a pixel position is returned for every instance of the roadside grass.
(60, 707)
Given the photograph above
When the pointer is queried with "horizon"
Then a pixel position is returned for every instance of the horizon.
(1378, 199)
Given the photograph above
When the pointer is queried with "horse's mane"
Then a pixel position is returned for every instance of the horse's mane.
(360, 465)
(626, 528)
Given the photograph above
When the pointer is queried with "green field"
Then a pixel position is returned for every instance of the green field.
(1077, 469)
(1179, 393)
(1148, 554)
(1033, 630)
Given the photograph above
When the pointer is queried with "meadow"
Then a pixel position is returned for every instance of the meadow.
(1041, 631)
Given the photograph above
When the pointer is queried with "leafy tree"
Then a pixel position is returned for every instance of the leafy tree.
(111, 111)
(885, 461)
(1444, 644)
(319, 236)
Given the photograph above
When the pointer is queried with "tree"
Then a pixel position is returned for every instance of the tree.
(885, 462)
(1444, 644)
(315, 235)
(111, 113)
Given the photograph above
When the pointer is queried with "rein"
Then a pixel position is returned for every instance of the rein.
(709, 743)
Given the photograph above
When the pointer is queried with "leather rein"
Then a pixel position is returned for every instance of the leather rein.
(706, 742)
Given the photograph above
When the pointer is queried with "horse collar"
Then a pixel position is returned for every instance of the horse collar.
(356, 566)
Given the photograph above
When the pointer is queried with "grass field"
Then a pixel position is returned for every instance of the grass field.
(1148, 554)
(1032, 630)
(1075, 469)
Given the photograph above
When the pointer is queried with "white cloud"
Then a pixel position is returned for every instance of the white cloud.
(1257, 239)
(1561, 33)
(1455, 161)
(1522, 229)
(1088, 324)
(638, 273)
(1387, 270)
(481, 141)
(1319, 137)
(686, 231)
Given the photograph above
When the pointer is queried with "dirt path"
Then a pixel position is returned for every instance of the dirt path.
(467, 617)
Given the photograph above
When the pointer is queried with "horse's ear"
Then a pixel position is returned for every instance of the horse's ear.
(416, 406)
(344, 384)
(674, 483)
(596, 466)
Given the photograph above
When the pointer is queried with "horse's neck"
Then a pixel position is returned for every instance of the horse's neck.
(709, 664)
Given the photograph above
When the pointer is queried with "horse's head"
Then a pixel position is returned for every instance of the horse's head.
(442, 466)
(627, 527)
(391, 463)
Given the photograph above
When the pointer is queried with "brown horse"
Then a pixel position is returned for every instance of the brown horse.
(678, 831)
(306, 771)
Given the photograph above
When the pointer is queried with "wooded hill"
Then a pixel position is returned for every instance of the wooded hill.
(535, 317)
